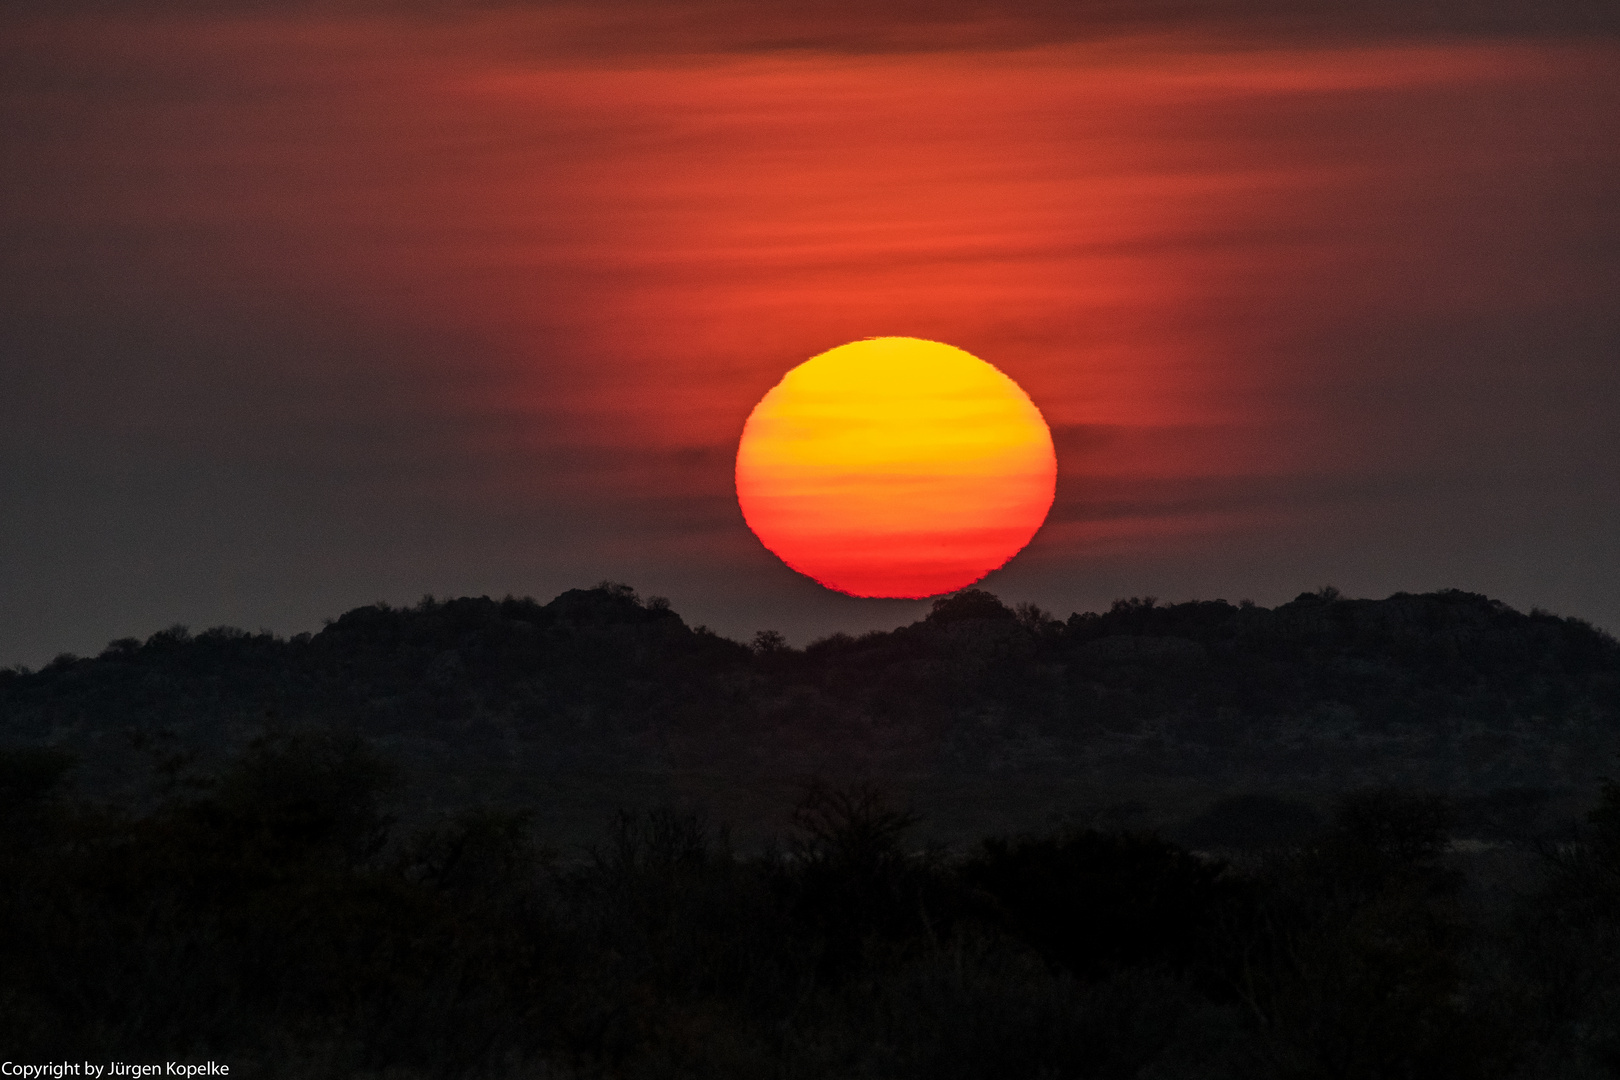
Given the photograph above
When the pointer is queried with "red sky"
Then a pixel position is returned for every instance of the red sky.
(302, 308)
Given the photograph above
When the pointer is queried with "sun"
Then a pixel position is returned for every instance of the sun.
(895, 467)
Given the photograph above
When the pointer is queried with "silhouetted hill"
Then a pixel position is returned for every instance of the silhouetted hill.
(258, 869)
(480, 698)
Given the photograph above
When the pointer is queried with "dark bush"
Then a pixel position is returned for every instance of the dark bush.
(848, 879)
(1351, 957)
(1094, 903)
(29, 777)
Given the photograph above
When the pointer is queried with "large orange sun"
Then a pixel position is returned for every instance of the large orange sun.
(895, 467)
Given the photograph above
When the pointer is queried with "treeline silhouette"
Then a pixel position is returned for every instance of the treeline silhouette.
(1447, 691)
(275, 919)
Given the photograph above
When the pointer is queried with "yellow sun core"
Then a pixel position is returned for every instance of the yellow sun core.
(895, 467)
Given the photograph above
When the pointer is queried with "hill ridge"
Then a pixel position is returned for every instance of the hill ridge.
(1447, 690)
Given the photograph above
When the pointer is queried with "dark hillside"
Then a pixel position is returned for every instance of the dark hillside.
(479, 698)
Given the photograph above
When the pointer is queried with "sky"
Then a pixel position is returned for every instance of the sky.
(305, 306)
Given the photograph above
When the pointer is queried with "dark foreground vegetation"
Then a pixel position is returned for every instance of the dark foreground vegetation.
(1337, 838)
(274, 920)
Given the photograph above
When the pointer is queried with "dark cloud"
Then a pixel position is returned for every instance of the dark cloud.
(664, 26)
(848, 26)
